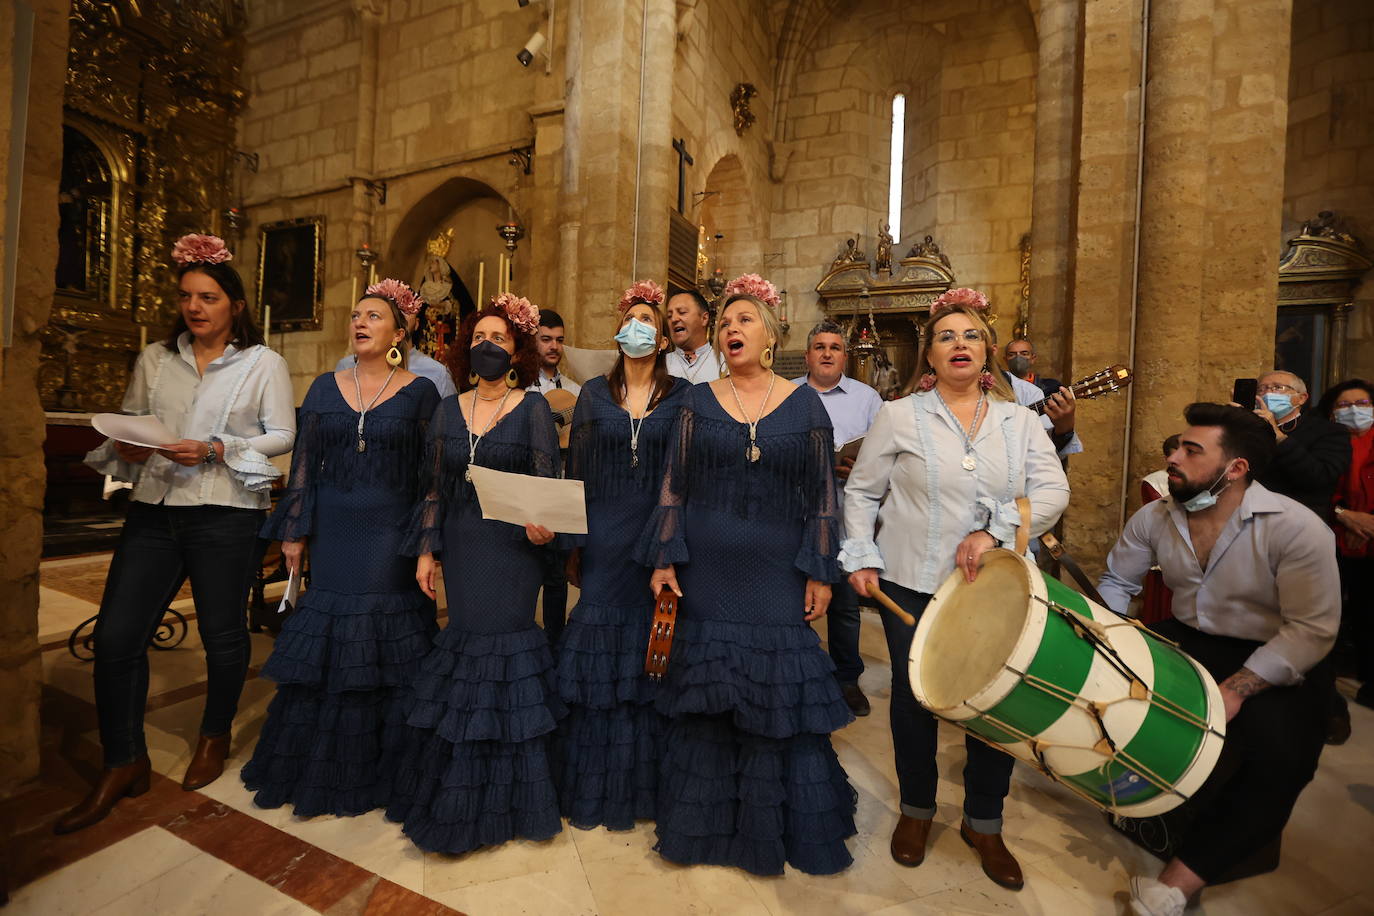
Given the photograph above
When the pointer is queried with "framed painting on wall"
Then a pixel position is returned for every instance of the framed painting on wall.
(291, 273)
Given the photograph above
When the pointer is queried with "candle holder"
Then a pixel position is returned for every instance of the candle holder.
(512, 232)
(717, 283)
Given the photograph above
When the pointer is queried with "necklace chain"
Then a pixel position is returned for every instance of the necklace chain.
(635, 428)
(362, 411)
(969, 463)
(753, 453)
(473, 440)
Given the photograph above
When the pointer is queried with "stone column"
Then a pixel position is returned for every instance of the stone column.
(657, 165)
(1058, 78)
(22, 476)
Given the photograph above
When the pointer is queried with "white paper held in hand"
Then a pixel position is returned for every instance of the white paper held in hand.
(146, 431)
(293, 590)
(523, 499)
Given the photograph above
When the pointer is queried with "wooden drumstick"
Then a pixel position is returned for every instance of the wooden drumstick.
(903, 616)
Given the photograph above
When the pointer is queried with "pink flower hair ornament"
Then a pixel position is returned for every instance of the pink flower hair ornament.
(646, 291)
(200, 249)
(969, 298)
(519, 311)
(752, 285)
(398, 292)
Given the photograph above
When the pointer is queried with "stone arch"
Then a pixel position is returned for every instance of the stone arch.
(733, 210)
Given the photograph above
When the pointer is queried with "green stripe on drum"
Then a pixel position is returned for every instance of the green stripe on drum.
(1164, 744)
(1061, 594)
(1062, 659)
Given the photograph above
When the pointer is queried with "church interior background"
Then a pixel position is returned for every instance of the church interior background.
(1185, 187)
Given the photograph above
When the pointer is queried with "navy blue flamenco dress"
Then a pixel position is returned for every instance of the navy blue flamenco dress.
(473, 769)
(609, 745)
(749, 777)
(343, 659)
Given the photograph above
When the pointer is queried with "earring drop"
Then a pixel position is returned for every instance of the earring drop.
(393, 356)
(512, 379)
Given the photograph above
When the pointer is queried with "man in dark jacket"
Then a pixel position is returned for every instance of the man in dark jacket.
(1312, 456)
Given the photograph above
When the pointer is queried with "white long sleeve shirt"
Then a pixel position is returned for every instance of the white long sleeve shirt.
(910, 485)
(244, 400)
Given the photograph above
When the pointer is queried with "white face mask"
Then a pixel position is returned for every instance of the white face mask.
(1207, 498)
(1360, 419)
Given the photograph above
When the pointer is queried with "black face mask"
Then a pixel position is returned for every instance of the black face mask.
(488, 360)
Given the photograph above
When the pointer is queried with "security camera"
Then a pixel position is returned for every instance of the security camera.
(531, 48)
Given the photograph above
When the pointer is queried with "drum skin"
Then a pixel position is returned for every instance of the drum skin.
(996, 658)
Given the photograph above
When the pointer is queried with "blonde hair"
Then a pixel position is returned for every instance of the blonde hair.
(1001, 388)
(770, 321)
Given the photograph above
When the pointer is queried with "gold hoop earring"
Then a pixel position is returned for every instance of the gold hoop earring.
(472, 379)
(512, 379)
(393, 356)
(766, 358)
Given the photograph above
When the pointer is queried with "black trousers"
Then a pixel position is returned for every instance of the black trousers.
(987, 773)
(1271, 753)
(555, 606)
(843, 624)
(159, 548)
(1357, 612)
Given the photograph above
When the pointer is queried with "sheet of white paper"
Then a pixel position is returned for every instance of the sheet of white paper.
(145, 431)
(522, 499)
(293, 590)
(587, 364)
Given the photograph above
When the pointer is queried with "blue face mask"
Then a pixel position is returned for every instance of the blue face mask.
(1207, 498)
(637, 339)
(1360, 419)
(1279, 404)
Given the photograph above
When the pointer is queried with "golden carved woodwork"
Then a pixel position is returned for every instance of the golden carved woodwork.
(1318, 275)
(154, 87)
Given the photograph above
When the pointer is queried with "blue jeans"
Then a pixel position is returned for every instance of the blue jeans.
(987, 774)
(159, 548)
(842, 632)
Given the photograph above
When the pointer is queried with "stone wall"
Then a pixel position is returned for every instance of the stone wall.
(1330, 149)
(22, 475)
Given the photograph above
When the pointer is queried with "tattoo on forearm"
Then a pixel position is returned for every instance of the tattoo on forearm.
(1246, 683)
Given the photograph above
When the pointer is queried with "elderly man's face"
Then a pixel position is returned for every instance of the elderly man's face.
(1274, 388)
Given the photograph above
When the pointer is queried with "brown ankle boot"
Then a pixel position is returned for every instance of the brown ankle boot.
(128, 781)
(908, 846)
(998, 862)
(207, 763)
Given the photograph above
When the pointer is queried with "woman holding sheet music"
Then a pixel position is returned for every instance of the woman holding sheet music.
(362, 627)
(195, 511)
(471, 768)
(940, 470)
(608, 747)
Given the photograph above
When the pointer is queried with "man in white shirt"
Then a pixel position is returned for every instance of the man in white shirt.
(421, 364)
(1256, 601)
(852, 405)
(548, 340)
(689, 323)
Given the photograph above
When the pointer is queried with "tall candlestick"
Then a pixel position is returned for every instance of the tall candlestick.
(142, 337)
(267, 322)
(481, 282)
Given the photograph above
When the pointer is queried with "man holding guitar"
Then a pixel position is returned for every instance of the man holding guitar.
(561, 393)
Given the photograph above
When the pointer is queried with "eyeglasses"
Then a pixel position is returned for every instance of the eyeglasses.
(1276, 386)
(971, 335)
(1362, 402)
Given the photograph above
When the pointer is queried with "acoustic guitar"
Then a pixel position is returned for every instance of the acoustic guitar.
(561, 402)
(1113, 378)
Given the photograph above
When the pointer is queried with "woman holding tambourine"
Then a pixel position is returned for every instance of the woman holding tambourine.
(941, 470)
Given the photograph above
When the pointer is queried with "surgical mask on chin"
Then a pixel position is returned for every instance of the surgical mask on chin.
(1207, 498)
(1360, 419)
(488, 360)
(637, 339)
(1019, 365)
(1279, 404)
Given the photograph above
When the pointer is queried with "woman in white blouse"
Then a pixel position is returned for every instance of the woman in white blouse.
(938, 477)
(196, 508)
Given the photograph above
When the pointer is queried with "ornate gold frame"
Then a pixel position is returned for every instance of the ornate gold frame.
(294, 322)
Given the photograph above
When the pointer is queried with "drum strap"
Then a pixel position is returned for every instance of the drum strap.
(1056, 549)
(1023, 530)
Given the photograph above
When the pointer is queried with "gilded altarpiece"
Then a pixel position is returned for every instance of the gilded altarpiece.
(152, 96)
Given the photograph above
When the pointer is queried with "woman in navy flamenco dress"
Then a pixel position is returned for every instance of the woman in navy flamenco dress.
(746, 533)
(473, 769)
(609, 745)
(343, 658)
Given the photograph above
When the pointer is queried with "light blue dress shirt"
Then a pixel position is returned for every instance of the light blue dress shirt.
(422, 365)
(851, 404)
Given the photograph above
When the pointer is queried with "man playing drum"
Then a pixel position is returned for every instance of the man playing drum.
(1256, 602)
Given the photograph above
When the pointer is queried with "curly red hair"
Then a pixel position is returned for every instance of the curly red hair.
(525, 360)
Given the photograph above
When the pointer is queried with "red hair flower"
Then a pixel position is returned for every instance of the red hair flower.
(200, 249)
(398, 292)
(753, 285)
(646, 291)
(969, 298)
(519, 311)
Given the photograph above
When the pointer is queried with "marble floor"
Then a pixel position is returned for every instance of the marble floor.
(210, 852)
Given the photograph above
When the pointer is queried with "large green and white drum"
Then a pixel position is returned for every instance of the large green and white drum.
(1092, 699)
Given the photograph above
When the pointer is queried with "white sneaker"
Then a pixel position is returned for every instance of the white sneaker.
(1149, 897)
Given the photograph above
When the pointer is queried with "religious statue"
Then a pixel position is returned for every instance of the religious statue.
(928, 249)
(884, 253)
(852, 254)
(739, 104)
(436, 287)
(1327, 224)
